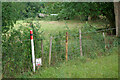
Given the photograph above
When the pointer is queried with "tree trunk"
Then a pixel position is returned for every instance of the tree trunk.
(117, 17)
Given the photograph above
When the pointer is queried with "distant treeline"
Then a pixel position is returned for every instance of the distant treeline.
(13, 11)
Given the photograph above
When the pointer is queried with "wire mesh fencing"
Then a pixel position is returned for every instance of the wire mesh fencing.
(17, 57)
(93, 44)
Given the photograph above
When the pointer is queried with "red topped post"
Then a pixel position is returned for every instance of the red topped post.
(32, 47)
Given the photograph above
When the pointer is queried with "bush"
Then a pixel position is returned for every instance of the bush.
(16, 47)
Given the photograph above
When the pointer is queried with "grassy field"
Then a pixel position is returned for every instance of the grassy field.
(102, 67)
(52, 27)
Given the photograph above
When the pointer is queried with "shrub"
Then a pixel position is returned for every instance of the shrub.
(16, 52)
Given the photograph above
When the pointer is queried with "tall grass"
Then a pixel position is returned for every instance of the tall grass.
(81, 67)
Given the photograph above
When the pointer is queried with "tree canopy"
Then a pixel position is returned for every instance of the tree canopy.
(13, 11)
(66, 10)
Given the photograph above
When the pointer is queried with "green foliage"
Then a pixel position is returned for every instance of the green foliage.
(17, 53)
(10, 13)
(13, 11)
(17, 50)
(73, 10)
(88, 28)
(52, 7)
(31, 9)
(103, 67)
(70, 10)
(38, 36)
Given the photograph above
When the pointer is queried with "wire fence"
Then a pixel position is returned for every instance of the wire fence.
(93, 44)
(76, 34)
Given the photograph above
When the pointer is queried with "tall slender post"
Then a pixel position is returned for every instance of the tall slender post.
(80, 43)
(66, 46)
(42, 48)
(104, 40)
(50, 50)
(32, 47)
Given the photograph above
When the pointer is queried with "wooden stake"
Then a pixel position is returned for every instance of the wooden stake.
(104, 40)
(80, 43)
(66, 46)
(50, 50)
(42, 49)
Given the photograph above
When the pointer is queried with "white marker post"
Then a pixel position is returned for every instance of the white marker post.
(32, 47)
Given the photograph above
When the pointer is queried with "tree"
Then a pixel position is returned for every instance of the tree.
(117, 17)
(107, 9)
(69, 10)
(10, 13)
(31, 9)
(13, 11)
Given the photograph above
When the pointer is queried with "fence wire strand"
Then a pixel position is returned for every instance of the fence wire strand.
(95, 42)
(69, 35)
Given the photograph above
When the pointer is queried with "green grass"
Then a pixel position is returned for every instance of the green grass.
(102, 67)
(55, 26)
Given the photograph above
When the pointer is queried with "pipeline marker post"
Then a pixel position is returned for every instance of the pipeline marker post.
(66, 46)
(32, 47)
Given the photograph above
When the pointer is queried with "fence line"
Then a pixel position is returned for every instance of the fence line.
(67, 52)
(99, 31)
(94, 31)
(70, 35)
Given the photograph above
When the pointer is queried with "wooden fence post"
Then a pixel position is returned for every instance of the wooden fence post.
(104, 40)
(66, 46)
(50, 50)
(80, 43)
(42, 48)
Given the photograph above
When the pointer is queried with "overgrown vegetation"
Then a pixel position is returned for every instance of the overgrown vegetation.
(81, 67)
(17, 49)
